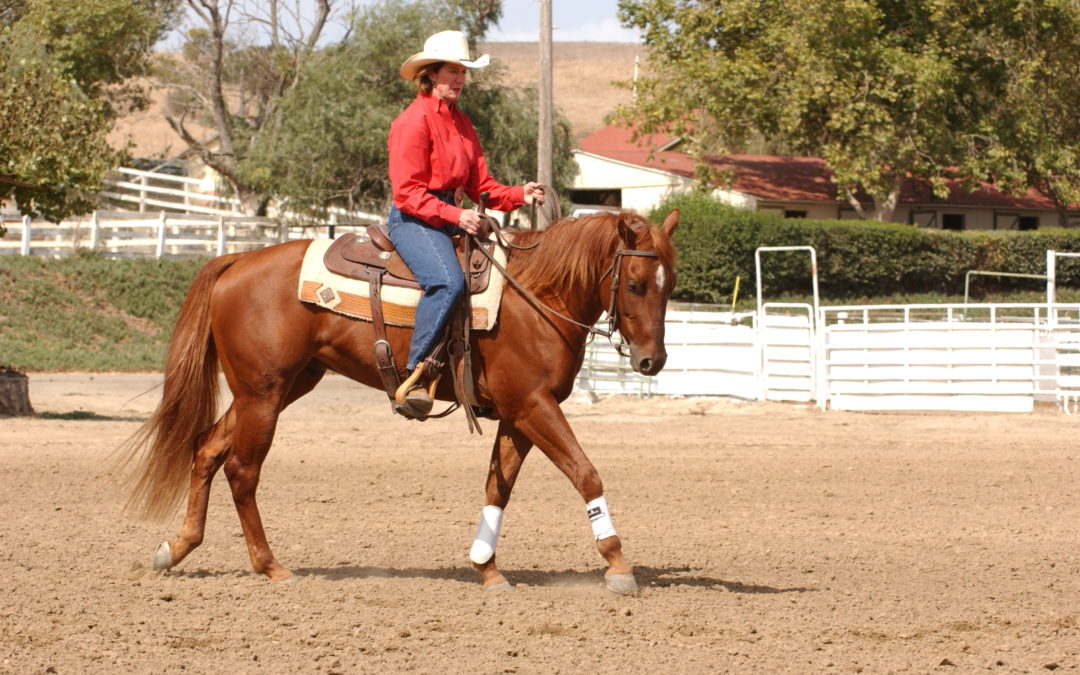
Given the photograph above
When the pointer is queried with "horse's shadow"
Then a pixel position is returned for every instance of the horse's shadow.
(647, 577)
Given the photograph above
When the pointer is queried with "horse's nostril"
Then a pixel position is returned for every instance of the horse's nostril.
(644, 365)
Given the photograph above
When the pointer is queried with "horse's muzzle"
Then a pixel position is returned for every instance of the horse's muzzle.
(648, 364)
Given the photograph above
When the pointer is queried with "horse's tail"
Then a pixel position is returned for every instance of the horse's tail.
(165, 445)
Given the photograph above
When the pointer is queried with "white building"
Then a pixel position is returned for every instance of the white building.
(616, 172)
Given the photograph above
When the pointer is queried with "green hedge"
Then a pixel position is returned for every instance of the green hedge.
(856, 259)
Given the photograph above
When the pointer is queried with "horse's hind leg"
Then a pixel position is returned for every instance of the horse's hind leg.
(210, 456)
(257, 415)
(507, 456)
(208, 459)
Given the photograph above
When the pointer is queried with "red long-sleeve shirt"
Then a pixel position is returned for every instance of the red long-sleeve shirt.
(433, 146)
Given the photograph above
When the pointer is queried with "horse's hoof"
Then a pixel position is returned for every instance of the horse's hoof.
(622, 584)
(500, 587)
(288, 580)
(163, 556)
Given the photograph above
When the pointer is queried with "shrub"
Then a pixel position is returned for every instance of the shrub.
(856, 259)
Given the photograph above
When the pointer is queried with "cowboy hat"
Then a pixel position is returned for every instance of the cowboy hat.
(450, 46)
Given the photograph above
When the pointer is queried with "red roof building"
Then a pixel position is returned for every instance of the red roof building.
(616, 171)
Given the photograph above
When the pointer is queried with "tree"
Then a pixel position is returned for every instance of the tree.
(234, 88)
(881, 90)
(64, 68)
(1032, 137)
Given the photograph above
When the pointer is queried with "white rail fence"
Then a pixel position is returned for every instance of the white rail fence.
(119, 234)
(995, 358)
(145, 191)
(166, 216)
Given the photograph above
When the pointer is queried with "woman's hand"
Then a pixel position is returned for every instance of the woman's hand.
(534, 192)
(469, 221)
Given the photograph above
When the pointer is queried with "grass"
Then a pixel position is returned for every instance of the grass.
(89, 313)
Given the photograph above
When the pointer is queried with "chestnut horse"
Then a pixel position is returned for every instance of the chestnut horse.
(242, 310)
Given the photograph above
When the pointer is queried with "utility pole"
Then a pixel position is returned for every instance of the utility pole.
(544, 140)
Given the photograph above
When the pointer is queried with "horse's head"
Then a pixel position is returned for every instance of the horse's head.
(642, 280)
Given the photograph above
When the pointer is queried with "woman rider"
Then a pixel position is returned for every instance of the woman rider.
(434, 151)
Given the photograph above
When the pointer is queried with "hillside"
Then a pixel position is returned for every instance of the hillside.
(583, 74)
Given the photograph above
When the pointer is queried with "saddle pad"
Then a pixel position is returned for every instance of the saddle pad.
(350, 297)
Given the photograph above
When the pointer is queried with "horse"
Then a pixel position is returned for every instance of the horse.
(242, 311)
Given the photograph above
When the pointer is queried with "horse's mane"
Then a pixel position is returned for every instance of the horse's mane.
(573, 253)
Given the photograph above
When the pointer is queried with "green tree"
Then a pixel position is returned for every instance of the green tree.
(880, 89)
(1032, 136)
(64, 72)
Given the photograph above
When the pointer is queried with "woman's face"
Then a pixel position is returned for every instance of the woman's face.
(448, 81)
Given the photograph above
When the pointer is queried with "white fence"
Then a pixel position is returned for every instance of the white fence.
(887, 357)
(131, 234)
(166, 216)
(146, 191)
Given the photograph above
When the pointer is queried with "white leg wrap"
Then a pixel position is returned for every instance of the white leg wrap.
(487, 535)
(600, 517)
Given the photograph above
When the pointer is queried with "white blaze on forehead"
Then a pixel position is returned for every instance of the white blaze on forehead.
(659, 276)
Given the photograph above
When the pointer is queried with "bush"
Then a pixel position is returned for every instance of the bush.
(856, 259)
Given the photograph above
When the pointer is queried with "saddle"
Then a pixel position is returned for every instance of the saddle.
(371, 257)
(357, 255)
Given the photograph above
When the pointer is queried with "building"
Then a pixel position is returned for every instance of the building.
(616, 172)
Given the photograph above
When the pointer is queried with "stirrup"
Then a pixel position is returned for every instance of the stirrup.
(412, 399)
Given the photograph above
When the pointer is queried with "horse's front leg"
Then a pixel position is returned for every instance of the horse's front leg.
(507, 455)
(546, 426)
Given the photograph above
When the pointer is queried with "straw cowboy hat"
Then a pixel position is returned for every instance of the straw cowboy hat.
(450, 46)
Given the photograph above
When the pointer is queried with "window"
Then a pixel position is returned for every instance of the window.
(1028, 223)
(597, 197)
(952, 221)
(794, 214)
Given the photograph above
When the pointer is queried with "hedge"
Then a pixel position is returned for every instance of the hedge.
(716, 244)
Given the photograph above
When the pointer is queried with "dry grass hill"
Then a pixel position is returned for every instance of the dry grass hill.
(583, 75)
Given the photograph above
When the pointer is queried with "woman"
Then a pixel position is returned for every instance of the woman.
(434, 151)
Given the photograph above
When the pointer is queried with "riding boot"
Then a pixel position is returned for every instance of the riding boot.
(416, 395)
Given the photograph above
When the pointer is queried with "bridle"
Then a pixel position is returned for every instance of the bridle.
(613, 307)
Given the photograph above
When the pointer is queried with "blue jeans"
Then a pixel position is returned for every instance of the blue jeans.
(429, 253)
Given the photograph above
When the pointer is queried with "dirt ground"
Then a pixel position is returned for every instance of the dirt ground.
(766, 538)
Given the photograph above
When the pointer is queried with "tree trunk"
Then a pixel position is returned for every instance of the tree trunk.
(14, 394)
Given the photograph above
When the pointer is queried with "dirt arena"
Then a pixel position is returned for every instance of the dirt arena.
(766, 538)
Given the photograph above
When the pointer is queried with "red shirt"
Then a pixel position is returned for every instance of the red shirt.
(433, 146)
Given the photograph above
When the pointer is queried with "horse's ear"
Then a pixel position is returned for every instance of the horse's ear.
(671, 222)
(627, 234)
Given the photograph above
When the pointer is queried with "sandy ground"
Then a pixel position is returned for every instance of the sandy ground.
(766, 538)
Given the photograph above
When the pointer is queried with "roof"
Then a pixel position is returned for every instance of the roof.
(785, 179)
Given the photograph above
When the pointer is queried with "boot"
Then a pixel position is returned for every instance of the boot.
(416, 395)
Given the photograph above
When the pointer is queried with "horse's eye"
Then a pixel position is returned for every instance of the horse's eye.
(636, 286)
